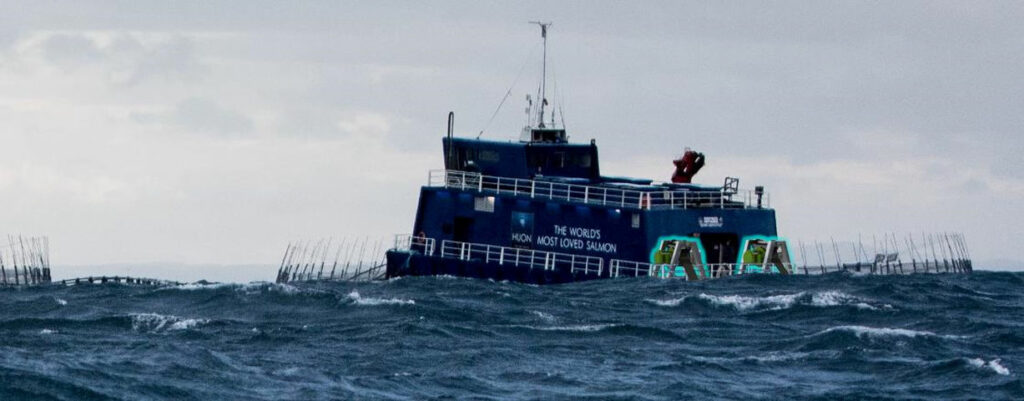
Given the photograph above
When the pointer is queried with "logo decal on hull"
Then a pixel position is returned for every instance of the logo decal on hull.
(710, 222)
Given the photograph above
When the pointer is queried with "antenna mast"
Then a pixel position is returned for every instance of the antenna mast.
(544, 70)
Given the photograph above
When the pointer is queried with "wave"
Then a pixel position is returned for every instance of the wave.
(580, 328)
(775, 302)
(248, 288)
(774, 356)
(360, 300)
(60, 302)
(154, 322)
(547, 317)
(865, 331)
(992, 365)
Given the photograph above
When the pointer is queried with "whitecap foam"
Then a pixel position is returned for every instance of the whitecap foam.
(544, 316)
(779, 357)
(60, 302)
(743, 303)
(200, 286)
(865, 331)
(992, 365)
(667, 302)
(823, 299)
(47, 331)
(154, 322)
(775, 356)
(832, 298)
(587, 328)
(360, 300)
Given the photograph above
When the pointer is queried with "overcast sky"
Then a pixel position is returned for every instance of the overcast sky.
(217, 132)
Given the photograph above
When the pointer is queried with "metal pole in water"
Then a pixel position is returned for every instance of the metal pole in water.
(14, 259)
(2, 268)
(323, 258)
(280, 269)
(289, 267)
(913, 251)
(967, 254)
(362, 254)
(927, 245)
(803, 256)
(899, 257)
(821, 256)
(300, 262)
(952, 256)
(942, 250)
(336, 255)
(311, 261)
(835, 252)
(350, 254)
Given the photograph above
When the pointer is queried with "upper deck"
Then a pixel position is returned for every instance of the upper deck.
(545, 165)
(604, 193)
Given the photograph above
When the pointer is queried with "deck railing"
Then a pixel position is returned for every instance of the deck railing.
(533, 259)
(600, 195)
(421, 244)
(628, 268)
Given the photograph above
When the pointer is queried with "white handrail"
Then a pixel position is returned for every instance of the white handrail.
(408, 242)
(592, 194)
(530, 258)
(629, 268)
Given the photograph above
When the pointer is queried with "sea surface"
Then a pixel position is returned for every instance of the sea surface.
(921, 337)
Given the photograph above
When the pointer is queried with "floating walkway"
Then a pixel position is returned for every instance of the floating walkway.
(117, 280)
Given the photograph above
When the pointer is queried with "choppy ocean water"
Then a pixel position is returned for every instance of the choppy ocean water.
(926, 337)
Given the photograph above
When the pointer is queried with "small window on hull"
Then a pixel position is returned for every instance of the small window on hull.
(484, 204)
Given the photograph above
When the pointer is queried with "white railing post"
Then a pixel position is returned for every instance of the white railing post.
(533, 187)
(586, 194)
(501, 256)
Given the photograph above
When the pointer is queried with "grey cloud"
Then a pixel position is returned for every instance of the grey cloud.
(175, 59)
(201, 116)
(126, 60)
(70, 51)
